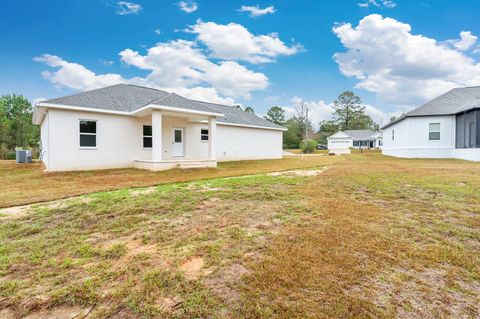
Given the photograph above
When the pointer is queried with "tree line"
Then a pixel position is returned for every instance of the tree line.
(349, 114)
(16, 128)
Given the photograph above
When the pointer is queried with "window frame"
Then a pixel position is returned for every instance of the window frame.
(147, 136)
(430, 131)
(203, 134)
(91, 134)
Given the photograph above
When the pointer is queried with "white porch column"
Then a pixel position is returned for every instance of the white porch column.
(157, 147)
(212, 136)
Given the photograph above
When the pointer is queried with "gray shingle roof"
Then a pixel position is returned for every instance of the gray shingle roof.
(128, 98)
(177, 101)
(120, 97)
(235, 116)
(360, 134)
(454, 101)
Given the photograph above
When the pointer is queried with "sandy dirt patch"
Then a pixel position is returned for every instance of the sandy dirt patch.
(299, 173)
(18, 211)
(192, 267)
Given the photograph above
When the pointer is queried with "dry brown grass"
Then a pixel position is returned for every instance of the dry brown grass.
(385, 238)
(370, 237)
(25, 184)
(175, 252)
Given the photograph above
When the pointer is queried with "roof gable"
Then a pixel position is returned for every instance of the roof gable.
(339, 135)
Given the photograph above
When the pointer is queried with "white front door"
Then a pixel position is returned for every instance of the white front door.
(177, 142)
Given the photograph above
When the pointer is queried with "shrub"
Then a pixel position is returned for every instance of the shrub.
(308, 147)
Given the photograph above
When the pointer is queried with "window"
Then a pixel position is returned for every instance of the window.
(88, 133)
(434, 131)
(393, 135)
(204, 135)
(147, 136)
(471, 134)
(355, 144)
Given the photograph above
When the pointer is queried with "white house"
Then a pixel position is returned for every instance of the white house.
(132, 126)
(342, 141)
(446, 127)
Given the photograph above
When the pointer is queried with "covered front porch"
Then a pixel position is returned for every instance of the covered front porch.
(177, 139)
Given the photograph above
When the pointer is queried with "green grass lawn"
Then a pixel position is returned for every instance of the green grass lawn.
(27, 183)
(370, 237)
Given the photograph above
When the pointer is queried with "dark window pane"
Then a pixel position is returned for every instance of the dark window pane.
(434, 136)
(88, 140)
(147, 130)
(88, 127)
(204, 137)
(147, 142)
(460, 131)
(204, 132)
(471, 135)
(178, 136)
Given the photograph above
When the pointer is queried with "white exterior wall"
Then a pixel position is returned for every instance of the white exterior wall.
(245, 143)
(44, 139)
(120, 141)
(411, 139)
(194, 147)
(340, 143)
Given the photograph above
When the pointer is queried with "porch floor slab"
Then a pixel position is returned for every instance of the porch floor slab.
(174, 163)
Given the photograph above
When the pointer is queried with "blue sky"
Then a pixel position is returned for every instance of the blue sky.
(394, 54)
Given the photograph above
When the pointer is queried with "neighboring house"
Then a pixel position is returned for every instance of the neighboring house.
(132, 126)
(342, 141)
(446, 127)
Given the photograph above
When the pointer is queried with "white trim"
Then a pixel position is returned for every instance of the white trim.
(79, 108)
(252, 126)
(181, 129)
(92, 134)
(143, 137)
(208, 135)
(174, 109)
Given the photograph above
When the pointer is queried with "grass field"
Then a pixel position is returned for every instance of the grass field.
(369, 237)
(17, 178)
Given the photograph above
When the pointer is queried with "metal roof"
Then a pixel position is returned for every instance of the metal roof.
(452, 102)
(128, 98)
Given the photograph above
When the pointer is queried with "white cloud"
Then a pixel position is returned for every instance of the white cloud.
(179, 66)
(234, 42)
(157, 31)
(399, 67)
(256, 11)
(378, 3)
(125, 8)
(321, 110)
(181, 63)
(467, 41)
(107, 62)
(74, 75)
(188, 6)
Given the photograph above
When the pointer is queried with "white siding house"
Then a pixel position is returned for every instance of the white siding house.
(130, 126)
(342, 141)
(446, 127)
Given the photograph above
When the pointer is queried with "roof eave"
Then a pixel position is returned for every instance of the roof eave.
(175, 109)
